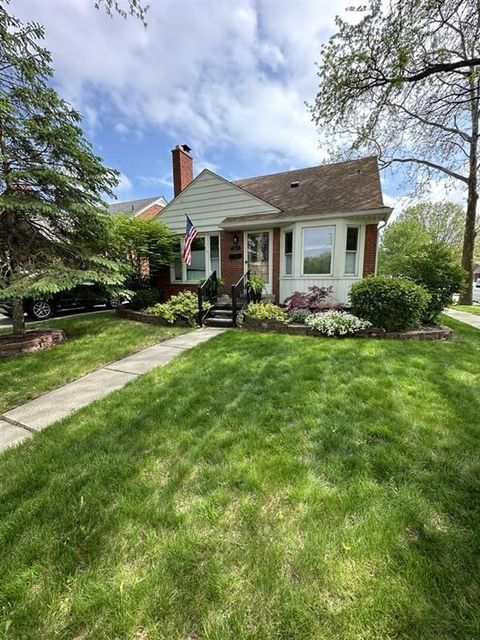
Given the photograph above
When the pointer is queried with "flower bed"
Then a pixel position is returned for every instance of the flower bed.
(30, 341)
(425, 332)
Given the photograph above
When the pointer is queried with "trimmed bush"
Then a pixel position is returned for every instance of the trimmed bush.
(298, 316)
(183, 305)
(315, 299)
(144, 298)
(336, 323)
(267, 311)
(394, 304)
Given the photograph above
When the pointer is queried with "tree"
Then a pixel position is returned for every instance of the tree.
(133, 7)
(52, 216)
(403, 84)
(144, 245)
(400, 240)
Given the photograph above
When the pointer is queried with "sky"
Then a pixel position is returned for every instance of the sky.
(230, 78)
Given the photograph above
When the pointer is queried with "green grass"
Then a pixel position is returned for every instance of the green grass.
(261, 486)
(93, 340)
(471, 308)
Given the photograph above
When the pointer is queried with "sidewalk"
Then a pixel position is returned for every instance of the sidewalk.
(463, 316)
(20, 423)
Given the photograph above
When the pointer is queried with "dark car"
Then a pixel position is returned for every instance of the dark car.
(83, 296)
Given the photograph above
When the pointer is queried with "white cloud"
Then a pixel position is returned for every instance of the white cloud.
(124, 185)
(218, 73)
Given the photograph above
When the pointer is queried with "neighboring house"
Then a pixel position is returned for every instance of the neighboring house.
(147, 208)
(315, 226)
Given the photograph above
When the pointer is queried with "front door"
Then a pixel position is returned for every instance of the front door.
(257, 257)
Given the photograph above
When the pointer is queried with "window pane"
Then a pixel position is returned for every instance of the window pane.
(350, 262)
(288, 241)
(352, 238)
(178, 262)
(288, 265)
(196, 269)
(215, 254)
(317, 250)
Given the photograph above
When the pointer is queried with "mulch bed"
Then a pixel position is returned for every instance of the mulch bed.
(148, 318)
(425, 332)
(30, 341)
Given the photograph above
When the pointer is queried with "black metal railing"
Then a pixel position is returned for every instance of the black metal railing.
(207, 292)
(240, 296)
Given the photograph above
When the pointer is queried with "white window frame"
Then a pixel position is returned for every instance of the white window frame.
(208, 263)
(284, 255)
(357, 252)
(302, 255)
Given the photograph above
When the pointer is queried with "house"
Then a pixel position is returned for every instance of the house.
(147, 208)
(314, 226)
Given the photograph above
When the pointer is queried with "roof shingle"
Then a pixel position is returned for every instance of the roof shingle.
(132, 207)
(331, 188)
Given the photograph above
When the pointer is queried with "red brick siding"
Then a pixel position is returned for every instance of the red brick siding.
(276, 265)
(370, 253)
(232, 269)
(161, 281)
(182, 169)
(151, 212)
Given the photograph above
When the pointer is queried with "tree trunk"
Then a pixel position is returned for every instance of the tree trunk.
(18, 318)
(469, 235)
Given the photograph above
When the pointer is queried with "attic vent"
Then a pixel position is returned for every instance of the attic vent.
(294, 185)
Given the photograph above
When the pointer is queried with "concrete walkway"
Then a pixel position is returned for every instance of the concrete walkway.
(20, 423)
(463, 316)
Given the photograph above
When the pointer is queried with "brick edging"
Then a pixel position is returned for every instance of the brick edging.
(148, 318)
(32, 340)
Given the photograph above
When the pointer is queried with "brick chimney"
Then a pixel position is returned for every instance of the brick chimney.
(182, 168)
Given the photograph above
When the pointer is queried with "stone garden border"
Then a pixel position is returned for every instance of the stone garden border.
(148, 318)
(425, 332)
(30, 341)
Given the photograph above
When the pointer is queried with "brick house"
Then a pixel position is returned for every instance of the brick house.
(147, 208)
(314, 226)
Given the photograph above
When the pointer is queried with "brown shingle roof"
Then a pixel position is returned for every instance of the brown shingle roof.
(331, 188)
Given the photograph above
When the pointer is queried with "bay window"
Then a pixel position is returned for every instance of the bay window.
(318, 250)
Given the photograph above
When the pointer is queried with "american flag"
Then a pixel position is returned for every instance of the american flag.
(190, 235)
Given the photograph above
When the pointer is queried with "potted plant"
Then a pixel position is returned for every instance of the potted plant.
(256, 286)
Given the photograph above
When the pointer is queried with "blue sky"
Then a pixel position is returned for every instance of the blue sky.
(228, 77)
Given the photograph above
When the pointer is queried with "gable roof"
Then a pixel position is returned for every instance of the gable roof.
(134, 207)
(331, 188)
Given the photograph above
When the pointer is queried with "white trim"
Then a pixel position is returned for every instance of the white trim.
(302, 251)
(270, 254)
(160, 201)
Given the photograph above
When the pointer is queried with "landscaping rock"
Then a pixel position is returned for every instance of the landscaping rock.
(30, 341)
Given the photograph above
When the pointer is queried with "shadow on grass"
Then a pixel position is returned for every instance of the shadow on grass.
(260, 486)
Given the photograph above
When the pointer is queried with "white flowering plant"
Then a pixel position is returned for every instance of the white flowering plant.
(336, 323)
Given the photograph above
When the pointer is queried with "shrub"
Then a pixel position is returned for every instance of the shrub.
(336, 323)
(299, 316)
(183, 305)
(268, 311)
(315, 299)
(435, 268)
(144, 298)
(394, 304)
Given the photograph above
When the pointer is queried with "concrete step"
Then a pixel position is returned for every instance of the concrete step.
(219, 322)
(221, 313)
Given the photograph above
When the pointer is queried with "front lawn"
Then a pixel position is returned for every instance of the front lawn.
(261, 486)
(93, 340)
(468, 308)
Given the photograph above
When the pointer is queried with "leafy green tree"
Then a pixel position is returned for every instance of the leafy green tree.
(52, 216)
(403, 83)
(400, 240)
(444, 222)
(143, 245)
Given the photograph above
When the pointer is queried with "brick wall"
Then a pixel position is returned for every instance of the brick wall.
(232, 268)
(151, 212)
(370, 253)
(161, 281)
(276, 265)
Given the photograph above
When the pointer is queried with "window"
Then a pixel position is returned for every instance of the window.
(351, 251)
(288, 252)
(205, 259)
(215, 254)
(317, 250)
